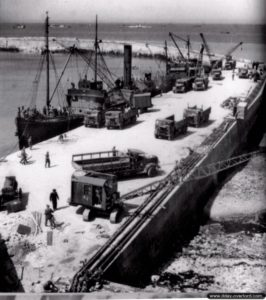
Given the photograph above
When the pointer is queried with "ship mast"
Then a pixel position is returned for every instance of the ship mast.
(47, 53)
(96, 49)
(166, 56)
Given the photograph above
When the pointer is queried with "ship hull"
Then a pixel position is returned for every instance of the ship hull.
(42, 129)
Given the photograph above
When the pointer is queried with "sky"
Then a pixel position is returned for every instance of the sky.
(148, 11)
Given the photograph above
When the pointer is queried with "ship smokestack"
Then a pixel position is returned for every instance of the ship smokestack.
(127, 65)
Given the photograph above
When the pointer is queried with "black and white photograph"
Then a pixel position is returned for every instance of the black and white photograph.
(132, 149)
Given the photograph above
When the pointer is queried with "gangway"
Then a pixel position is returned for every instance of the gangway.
(223, 165)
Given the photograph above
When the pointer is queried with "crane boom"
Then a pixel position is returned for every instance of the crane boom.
(206, 46)
(184, 40)
(174, 41)
(199, 63)
(233, 49)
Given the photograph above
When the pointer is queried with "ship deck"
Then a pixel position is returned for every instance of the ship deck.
(74, 240)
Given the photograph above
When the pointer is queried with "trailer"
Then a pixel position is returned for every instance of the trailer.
(97, 194)
(141, 101)
(196, 116)
(136, 99)
(133, 162)
(120, 117)
(169, 128)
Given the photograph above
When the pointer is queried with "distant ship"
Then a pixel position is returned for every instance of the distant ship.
(19, 26)
(61, 26)
(139, 26)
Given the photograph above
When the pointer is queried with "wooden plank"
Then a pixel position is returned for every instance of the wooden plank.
(49, 238)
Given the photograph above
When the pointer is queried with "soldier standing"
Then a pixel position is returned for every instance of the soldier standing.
(114, 151)
(53, 198)
(23, 160)
(47, 160)
(49, 216)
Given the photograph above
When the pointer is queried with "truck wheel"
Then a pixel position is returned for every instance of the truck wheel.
(156, 136)
(87, 215)
(114, 215)
(151, 171)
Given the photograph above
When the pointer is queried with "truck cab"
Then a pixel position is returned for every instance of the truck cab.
(183, 85)
(94, 118)
(196, 116)
(143, 162)
(216, 74)
(119, 118)
(97, 193)
(169, 128)
(243, 73)
(230, 63)
(200, 83)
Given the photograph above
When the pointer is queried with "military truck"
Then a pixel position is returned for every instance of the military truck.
(216, 74)
(169, 128)
(94, 118)
(133, 162)
(200, 83)
(137, 99)
(120, 117)
(196, 116)
(97, 193)
(230, 63)
(243, 73)
(183, 85)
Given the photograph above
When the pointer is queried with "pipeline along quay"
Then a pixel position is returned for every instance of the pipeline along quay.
(167, 213)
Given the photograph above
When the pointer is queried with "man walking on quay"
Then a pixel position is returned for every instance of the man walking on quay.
(53, 198)
(49, 216)
(24, 159)
(47, 160)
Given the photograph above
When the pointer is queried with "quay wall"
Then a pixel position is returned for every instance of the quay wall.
(170, 223)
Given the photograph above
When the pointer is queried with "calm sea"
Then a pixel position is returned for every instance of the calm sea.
(17, 70)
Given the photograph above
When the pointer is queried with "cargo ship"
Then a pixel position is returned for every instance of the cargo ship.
(37, 126)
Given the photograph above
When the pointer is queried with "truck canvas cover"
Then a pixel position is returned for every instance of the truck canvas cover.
(90, 180)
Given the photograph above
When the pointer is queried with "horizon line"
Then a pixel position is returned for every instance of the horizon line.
(136, 22)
